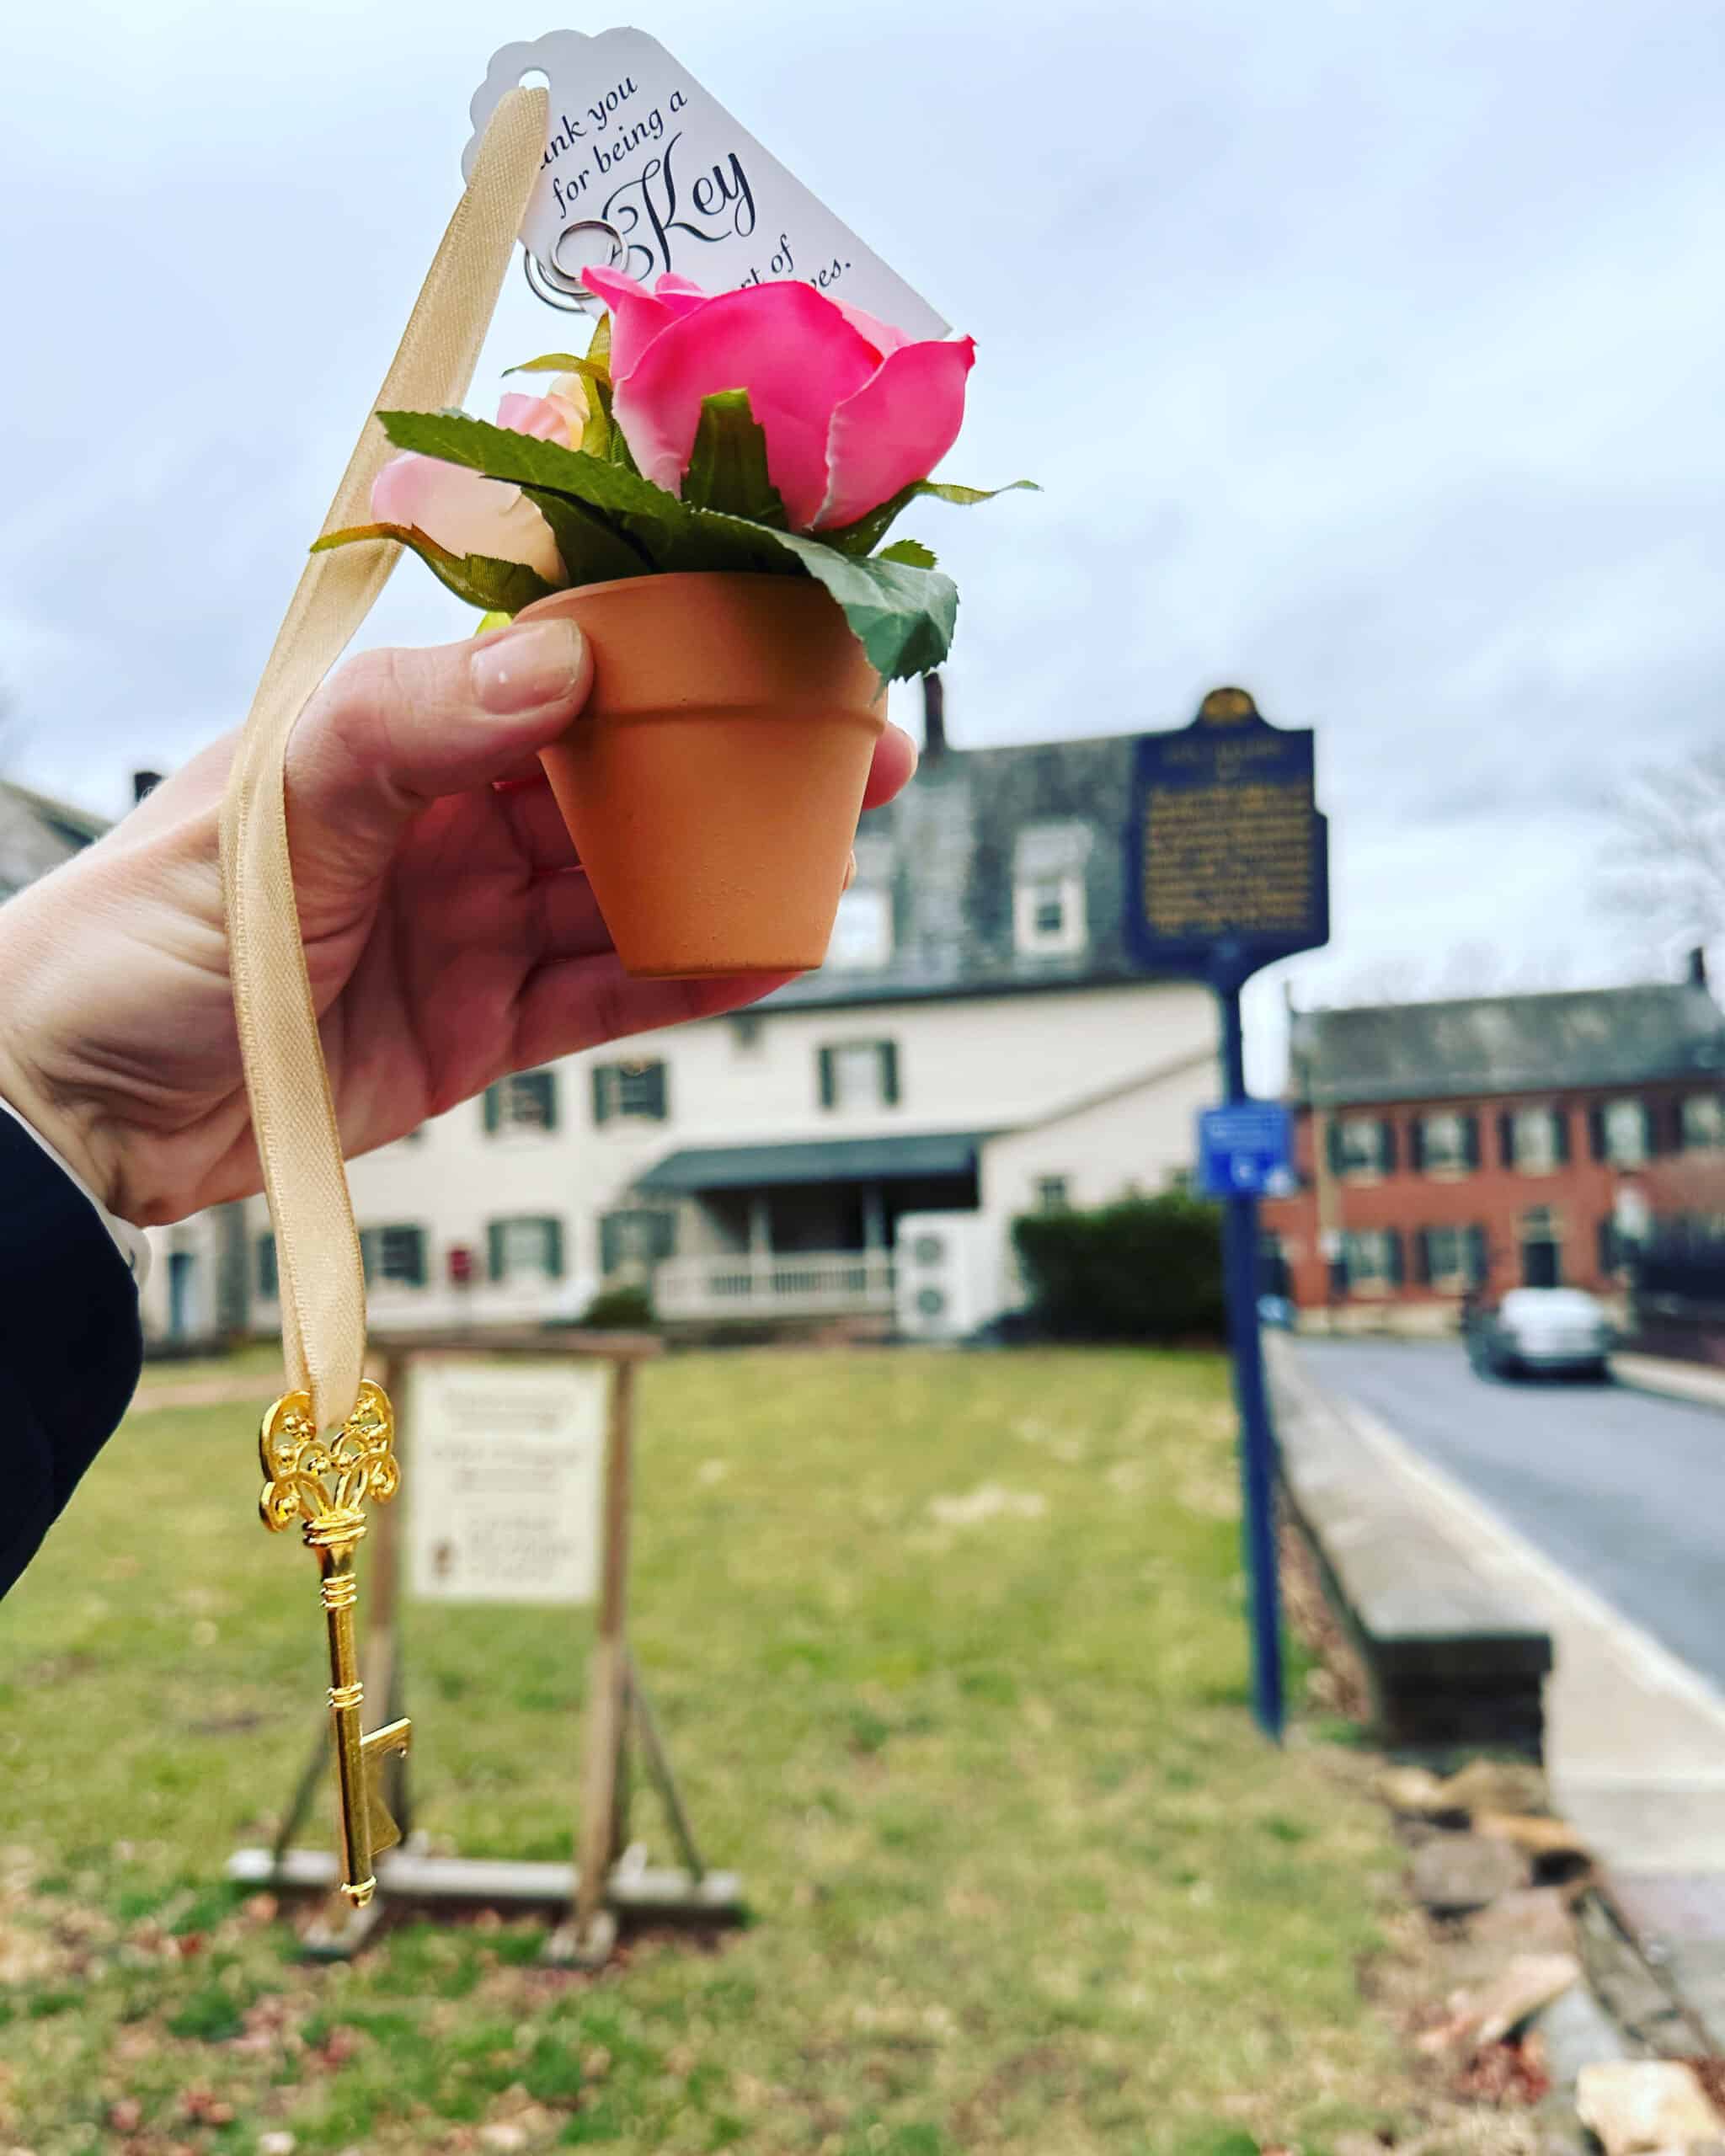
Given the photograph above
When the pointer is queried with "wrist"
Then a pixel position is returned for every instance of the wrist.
(67, 1132)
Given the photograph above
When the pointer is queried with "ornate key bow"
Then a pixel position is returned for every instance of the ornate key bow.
(325, 1484)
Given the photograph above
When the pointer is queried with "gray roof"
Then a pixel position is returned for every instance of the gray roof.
(946, 854)
(1498, 1045)
(821, 1159)
(37, 833)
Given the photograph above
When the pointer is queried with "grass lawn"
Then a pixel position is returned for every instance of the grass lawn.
(1022, 1876)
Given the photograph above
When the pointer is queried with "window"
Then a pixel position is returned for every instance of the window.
(1049, 912)
(1453, 1257)
(1620, 1133)
(637, 1236)
(269, 1283)
(1372, 1258)
(1704, 1123)
(1535, 1141)
(858, 1075)
(526, 1101)
(394, 1253)
(1446, 1144)
(863, 934)
(528, 1248)
(629, 1091)
(1051, 1195)
(1362, 1146)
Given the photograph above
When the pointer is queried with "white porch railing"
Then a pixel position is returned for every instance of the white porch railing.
(813, 1284)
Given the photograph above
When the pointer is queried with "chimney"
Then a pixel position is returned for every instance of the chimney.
(934, 719)
(1698, 967)
(144, 783)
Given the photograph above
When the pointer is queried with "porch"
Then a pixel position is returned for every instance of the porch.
(799, 1230)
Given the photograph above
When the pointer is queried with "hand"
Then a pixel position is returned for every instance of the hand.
(450, 936)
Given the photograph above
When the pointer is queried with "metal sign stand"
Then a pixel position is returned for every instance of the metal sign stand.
(611, 1876)
(1228, 871)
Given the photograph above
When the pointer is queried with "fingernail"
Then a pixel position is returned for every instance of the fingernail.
(850, 872)
(524, 668)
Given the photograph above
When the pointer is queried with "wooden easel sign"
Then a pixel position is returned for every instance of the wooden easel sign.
(522, 1457)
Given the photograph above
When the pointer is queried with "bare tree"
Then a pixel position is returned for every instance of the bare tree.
(1665, 867)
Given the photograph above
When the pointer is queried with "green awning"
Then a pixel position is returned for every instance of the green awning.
(815, 1160)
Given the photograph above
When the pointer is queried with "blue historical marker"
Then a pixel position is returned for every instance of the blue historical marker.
(1227, 870)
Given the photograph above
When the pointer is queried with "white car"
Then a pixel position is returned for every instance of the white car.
(1550, 1329)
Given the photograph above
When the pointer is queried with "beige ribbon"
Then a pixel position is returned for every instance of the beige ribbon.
(322, 1281)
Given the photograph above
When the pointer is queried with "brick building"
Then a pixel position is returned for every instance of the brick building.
(1497, 1142)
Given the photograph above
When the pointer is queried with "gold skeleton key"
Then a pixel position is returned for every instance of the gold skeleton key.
(326, 1486)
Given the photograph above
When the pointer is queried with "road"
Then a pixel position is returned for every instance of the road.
(1624, 1490)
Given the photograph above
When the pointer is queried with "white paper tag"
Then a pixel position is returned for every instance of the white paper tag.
(637, 146)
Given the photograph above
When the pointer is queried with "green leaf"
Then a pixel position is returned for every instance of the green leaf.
(911, 552)
(866, 534)
(902, 614)
(652, 518)
(599, 344)
(594, 549)
(728, 465)
(560, 363)
(484, 581)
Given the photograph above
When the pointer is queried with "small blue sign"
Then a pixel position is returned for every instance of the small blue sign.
(1246, 1151)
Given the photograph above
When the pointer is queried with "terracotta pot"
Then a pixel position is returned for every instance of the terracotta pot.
(712, 783)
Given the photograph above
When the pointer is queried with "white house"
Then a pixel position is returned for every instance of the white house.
(978, 1044)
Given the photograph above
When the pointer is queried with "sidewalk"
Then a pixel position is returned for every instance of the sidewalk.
(1696, 1381)
(1635, 1738)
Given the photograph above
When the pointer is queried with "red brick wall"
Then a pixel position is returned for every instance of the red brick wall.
(1580, 1193)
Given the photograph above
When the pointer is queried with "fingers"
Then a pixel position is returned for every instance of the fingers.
(894, 767)
(393, 730)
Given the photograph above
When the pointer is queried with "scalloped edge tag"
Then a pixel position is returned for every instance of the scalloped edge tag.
(637, 144)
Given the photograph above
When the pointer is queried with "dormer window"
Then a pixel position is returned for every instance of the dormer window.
(1049, 911)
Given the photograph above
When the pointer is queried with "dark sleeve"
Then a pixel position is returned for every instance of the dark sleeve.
(70, 1346)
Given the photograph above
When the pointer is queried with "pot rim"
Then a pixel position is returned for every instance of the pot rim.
(684, 576)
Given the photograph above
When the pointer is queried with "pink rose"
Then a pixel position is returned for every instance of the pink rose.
(469, 514)
(852, 410)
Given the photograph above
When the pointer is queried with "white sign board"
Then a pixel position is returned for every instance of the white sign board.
(504, 1469)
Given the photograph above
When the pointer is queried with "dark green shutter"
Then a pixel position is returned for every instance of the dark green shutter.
(493, 1106)
(1393, 1239)
(608, 1245)
(493, 1249)
(1470, 1139)
(1506, 1139)
(1596, 1131)
(1478, 1257)
(1560, 1136)
(658, 1105)
(1416, 1145)
(664, 1240)
(1423, 1255)
(268, 1281)
(548, 1079)
(1332, 1144)
(601, 1093)
(824, 1062)
(553, 1246)
(418, 1247)
(889, 1073)
(1387, 1154)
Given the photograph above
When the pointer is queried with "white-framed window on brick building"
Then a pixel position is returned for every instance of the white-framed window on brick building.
(1450, 1257)
(858, 1075)
(1621, 1132)
(1446, 1142)
(1371, 1258)
(527, 1101)
(1703, 1122)
(1362, 1147)
(637, 1091)
(1534, 1140)
(528, 1247)
(395, 1254)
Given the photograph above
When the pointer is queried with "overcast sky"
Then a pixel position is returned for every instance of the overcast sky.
(1370, 356)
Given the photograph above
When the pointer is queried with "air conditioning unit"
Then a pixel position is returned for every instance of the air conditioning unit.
(948, 1272)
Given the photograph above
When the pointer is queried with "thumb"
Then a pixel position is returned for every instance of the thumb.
(393, 730)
